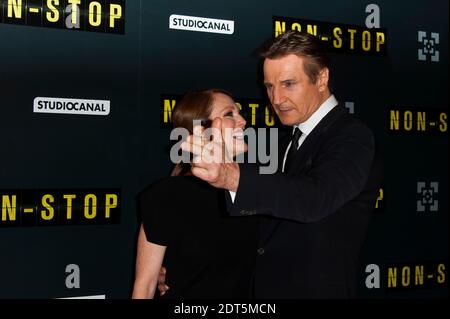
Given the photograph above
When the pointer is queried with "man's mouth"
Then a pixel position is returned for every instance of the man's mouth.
(284, 109)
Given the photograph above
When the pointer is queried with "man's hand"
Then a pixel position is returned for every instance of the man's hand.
(212, 162)
(162, 287)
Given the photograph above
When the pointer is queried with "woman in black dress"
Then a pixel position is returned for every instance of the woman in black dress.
(185, 225)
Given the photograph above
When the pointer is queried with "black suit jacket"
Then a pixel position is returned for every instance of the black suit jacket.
(316, 215)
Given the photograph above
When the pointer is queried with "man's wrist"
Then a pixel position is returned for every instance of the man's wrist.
(228, 178)
(233, 174)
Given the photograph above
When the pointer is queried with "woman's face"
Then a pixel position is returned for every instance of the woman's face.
(225, 108)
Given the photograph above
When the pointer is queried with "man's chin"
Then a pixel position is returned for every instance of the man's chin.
(288, 121)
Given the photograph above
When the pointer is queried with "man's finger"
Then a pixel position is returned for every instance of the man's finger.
(204, 172)
(162, 275)
(206, 156)
(162, 288)
(230, 143)
(216, 127)
(198, 131)
(192, 148)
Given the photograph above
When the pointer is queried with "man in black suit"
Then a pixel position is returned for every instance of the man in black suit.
(317, 206)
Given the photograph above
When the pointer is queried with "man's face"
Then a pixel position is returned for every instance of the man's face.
(290, 90)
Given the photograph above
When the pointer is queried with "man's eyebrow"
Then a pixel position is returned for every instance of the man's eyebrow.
(282, 81)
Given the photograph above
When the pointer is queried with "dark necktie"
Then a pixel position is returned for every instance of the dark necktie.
(293, 149)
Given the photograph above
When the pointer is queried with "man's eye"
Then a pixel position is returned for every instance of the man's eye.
(288, 84)
(228, 114)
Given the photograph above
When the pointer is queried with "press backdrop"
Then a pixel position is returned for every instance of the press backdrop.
(86, 92)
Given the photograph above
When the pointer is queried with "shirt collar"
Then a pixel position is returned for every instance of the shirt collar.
(307, 126)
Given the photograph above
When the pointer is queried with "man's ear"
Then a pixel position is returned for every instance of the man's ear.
(322, 79)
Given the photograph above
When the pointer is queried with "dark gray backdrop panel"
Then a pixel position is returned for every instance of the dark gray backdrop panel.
(128, 149)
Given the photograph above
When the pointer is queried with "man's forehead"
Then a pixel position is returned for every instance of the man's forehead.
(283, 64)
(291, 57)
(283, 73)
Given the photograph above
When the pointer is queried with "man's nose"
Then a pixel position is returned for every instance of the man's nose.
(277, 96)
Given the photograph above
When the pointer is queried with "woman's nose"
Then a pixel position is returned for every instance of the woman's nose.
(240, 121)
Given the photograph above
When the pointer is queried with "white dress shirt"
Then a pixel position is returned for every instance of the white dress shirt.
(307, 126)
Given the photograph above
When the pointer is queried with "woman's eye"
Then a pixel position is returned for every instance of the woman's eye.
(228, 114)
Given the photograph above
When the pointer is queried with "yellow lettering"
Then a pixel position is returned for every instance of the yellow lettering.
(115, 12)
(296, 26)
(392, 277)
(406, 272)
(395, 120)
(89, 214)
(95, 13)
(111, 202)
(9, 207)
(337, 32)
(280, 28)
(380, 197)
(380, 40)
(441, 271)
(53, 15)
(75, 4)
(407, 120)
(311, 29)
(421, 121)
(443, 120)
(352, 38)
(269, 118)
(366, 40)
(68, 198)
(50, 212)
(15, 7)
(168, 107)
(419, 275)
(253, 107)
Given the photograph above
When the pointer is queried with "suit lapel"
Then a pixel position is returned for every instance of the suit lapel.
(270, 225)
(283, 144)
(305, 151)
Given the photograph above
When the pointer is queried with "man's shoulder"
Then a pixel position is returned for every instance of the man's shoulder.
(343, 121)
